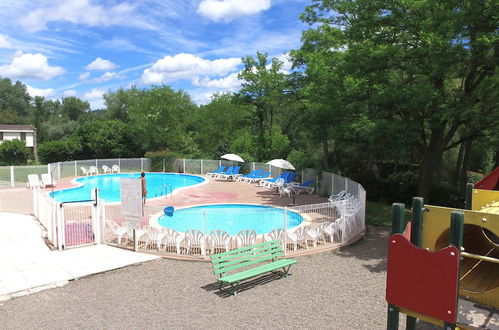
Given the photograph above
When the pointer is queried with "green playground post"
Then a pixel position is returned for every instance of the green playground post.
(397, 228)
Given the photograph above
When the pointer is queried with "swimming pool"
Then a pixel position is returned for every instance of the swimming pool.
(230, 217)
(158, 184)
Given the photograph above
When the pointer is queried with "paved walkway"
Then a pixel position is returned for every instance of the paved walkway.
(27, 265)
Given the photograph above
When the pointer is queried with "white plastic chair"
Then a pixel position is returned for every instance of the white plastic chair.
(47, 180)
(245, 237)
(317, 234)
(92, 170)
(117, 231)
(172, 238)
(219, 239)
(195, 239)
(155, 237)
(106, 169)
(332, 231)
(115, 169)
(85, 171)
(275, 235)
(298, 237)
(34, 182)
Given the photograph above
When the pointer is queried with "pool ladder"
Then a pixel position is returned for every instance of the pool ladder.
(164, 189)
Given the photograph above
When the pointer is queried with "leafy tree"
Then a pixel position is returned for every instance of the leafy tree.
(105, 139)
(74, 108)
(118, 103)
(264, 87)
(14, 97)
(428, 66)
(218, 123)
(14, 152)
(9, 117)
(159, 119)
(55, 151)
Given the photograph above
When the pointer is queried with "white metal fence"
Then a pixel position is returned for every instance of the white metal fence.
(72, 224)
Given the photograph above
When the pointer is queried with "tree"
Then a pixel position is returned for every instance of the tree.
(74, 108)
(159, 118)
(14, 97)
(118, 103)
(105, 139)
(264, 87)
(429, 66)
(14, 152)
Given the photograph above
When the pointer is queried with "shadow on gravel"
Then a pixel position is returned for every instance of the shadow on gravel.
(248, 284)
(372, 247)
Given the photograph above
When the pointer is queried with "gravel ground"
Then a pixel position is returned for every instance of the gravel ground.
(332, 290)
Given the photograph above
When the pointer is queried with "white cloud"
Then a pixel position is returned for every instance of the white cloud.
(82, 12)
(70, 92)
(30, 66)
(47, 92)
(227, 10)
(108, 76)
(94, 97)
(101, 65)
(4, 42)
(229, 83)
(187, 66)
(84, 76)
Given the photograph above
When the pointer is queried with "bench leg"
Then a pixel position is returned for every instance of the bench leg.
(286, 271)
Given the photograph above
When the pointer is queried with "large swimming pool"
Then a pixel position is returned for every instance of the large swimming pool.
(158, 184)
(230, 217)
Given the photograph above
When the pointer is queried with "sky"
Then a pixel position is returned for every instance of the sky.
(85, 48)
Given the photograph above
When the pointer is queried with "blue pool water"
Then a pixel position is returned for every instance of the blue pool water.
(109, 186)
(230, 217)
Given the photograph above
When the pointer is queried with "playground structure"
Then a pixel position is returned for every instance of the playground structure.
(443, 254)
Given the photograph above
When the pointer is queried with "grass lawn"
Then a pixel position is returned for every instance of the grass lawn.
(379, 214)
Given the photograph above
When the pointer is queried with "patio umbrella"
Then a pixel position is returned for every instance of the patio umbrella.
(281, 163)
(233, 157)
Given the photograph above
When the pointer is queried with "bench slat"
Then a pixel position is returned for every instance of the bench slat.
(257, 271)
(246, 256)
(243, 251)
(248, 262)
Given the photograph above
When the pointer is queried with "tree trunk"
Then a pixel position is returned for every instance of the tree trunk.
(430, 165)
(463, 177)
(459, 165)
(325, 150)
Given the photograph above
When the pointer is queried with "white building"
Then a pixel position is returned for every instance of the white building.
(26, 133)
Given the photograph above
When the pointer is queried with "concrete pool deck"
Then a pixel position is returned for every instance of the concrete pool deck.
(27, 265)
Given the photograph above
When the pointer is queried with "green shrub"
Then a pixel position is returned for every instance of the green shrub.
(55, 151)
(13, 152)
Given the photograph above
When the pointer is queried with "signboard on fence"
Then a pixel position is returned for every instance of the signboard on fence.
(131, 201)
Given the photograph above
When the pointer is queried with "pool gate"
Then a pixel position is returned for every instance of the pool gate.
(69, 224)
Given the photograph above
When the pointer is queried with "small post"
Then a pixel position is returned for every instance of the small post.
(456, 239)
(416, 239)
(417, 221)
(76, 171)
(285, 229)
(135, 242)
(12, 181)
(469, 197)
(397, 228)
(398, 218)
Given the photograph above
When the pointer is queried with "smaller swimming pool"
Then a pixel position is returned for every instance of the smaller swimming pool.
(158, 184)
(230, 217)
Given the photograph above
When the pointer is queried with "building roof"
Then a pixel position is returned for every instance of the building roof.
(17, 128)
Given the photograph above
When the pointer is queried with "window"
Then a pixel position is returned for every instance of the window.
(23, 136)
(1, 136)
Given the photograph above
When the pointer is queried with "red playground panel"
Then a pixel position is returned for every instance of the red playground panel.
(422, 281)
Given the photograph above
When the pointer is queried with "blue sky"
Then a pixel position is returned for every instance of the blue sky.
(85, 48)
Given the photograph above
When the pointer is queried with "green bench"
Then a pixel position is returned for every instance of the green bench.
(247, 262)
